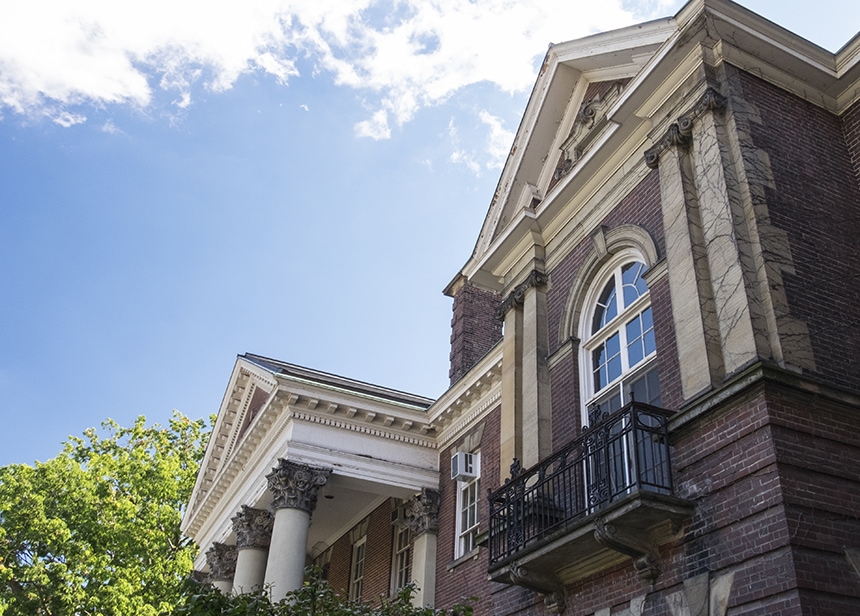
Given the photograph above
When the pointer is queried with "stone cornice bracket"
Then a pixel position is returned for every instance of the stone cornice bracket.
(680, 132)
(295, 486)
(222, 561)
(516, 297)
(546, 584)
(253, 528)
(422, 512)
(646, 556)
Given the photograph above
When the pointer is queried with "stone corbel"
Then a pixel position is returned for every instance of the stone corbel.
(546, 584)
(646, 556)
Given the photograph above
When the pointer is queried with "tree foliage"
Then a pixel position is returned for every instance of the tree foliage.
(315, 598)
(95, 531)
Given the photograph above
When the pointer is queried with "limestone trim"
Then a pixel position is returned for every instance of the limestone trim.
(516, 298)
(468, 400)
(253, 528)
(546, 584)
(422, 512)
(295, 486)
(221, 559)
(631, 542)
(679, 133)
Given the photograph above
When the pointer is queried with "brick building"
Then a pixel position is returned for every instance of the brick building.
(655, 370)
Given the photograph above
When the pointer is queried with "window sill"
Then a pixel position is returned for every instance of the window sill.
(472, 555)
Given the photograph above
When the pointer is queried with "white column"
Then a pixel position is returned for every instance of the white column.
(253, 529)
(294, 489)
(222, 566)
(423, 515)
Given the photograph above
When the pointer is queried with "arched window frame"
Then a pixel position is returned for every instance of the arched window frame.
(592, 340)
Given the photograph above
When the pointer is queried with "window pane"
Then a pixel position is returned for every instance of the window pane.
(648, 327)
(632, 282)
(607, 307)
(646, 388)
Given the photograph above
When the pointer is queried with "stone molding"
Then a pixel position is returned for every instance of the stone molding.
(253, 528)
(516, 298)
(679, 132)
(295, 486)
(632, 542)
(222, 561)
(422, 512)
(547, 584)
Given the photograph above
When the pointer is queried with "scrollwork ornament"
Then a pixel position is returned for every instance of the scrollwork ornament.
(295, 486)
(222, 561)
(422, 512)
(253, 527)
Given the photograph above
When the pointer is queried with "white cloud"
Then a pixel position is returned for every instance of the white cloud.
(499, 142)
(465, 158)
(57, 57)
(375, 128)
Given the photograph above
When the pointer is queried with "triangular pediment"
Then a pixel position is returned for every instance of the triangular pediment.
(601, 101)
(579, 82)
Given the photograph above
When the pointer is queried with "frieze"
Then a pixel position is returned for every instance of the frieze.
(679, 134)
(295, 486)
(516, 297)
(253, 527)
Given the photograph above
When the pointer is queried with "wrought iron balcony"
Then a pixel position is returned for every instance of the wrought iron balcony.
(600, 491)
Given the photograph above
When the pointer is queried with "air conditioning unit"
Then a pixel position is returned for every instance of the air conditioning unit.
(464, 466)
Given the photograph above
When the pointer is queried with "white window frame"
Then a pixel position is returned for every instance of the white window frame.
(468, 507)
(619, 385)
(357, 568)
(401, 558)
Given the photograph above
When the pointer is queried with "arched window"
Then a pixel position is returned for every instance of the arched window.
(619, 348)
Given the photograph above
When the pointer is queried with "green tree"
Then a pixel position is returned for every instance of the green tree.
(315, 598)
(95, 531)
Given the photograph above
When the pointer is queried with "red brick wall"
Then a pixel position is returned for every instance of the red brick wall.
(470, 577)
(640, 207)
(377, 564)
(815, 201)
(851, 132)
(474, 328)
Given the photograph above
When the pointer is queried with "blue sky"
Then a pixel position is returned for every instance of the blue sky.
(298, 181)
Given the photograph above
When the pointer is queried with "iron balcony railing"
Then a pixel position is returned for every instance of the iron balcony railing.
(619, 454)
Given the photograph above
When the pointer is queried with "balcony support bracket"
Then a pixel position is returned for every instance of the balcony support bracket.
(632, 542)
(547, 584)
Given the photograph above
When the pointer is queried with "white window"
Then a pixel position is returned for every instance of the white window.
(619, 348)
(467, 510)
(356, 577)
(401, 559)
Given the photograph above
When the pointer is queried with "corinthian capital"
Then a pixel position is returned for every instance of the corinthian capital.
(222, 561)
(295, 485)
(253, 527)
(422, 512)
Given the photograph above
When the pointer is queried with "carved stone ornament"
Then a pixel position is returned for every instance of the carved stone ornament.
(546, 584)
(516, 297)
(253, 527)
(222, 561)
(422, 512)
(646, 557)
(680, 132)
(295, 486)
